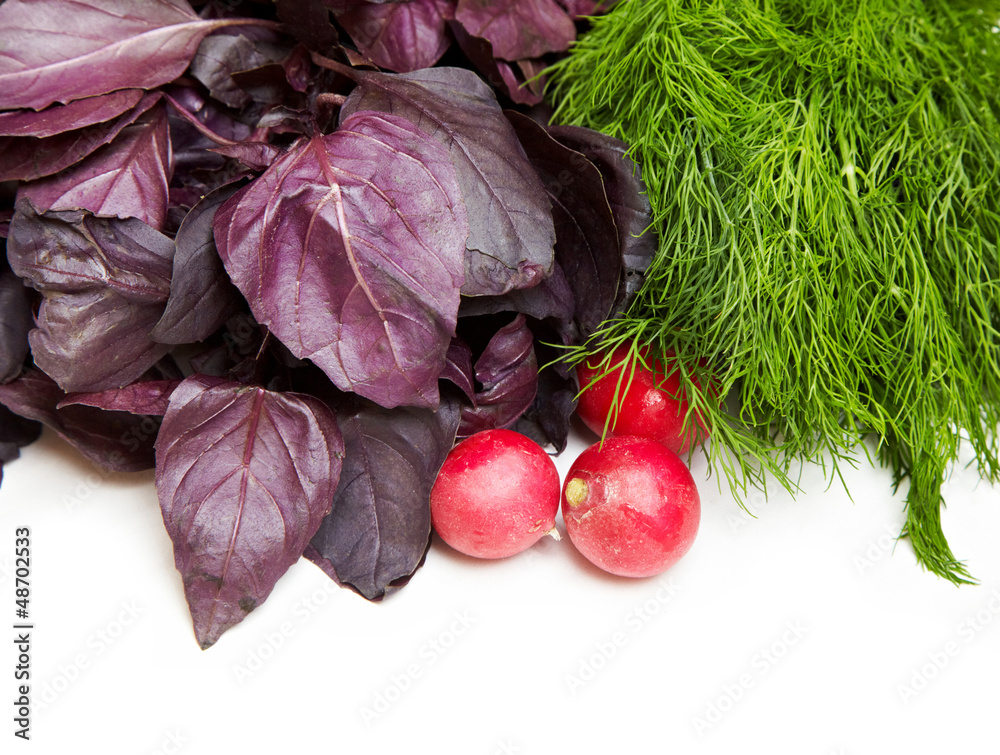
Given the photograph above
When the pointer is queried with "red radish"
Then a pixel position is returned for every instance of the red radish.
(631, 506)
(496, 495)
(650, 404)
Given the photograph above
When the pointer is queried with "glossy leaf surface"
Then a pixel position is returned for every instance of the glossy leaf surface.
(104, 284)
(201, 295)
(511, 236)
(379, 528)
(126, 178)
(350, 249)
(506, 377)
(113, 440)
(126, 45)
(244, 477)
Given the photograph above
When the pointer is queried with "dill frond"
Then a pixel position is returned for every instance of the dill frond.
(825, 182)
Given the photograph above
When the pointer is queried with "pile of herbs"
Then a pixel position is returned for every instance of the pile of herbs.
(825, 182)
(288, 252)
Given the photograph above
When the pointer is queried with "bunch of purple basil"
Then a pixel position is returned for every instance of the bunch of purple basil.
(287, 253)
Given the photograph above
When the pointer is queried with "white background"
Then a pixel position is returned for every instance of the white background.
(804, 630)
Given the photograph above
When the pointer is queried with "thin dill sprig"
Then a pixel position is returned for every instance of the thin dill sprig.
(825, 183)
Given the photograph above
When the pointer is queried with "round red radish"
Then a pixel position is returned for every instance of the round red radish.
(631, 506)
(496, 495)
(650, 404)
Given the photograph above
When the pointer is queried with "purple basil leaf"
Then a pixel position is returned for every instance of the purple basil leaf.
(146, 397)
(221, 55)
(278, 119)
(586, 234)
(77, 114)
(244, 477)
(580, 8)
(298, 69)
(16, 432)
(547, 421)
(499, 73)
(553, 297)
(529, 79)
(127, 178)
(201, 297)
(26, 158)
(197, 128)
(400, 36)
(379, 528)
(507, 372)
(253, 154)
(349, 249)
(278, 82)
(458, 368)
(104, 285)
(511, 235)
(626, 193)
(15, 322)
(518, 29)
(519, 83)
(256, 155)
(65, 50)
(198, 123)
(116, 441)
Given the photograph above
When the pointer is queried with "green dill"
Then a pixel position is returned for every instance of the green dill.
(825, 183)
